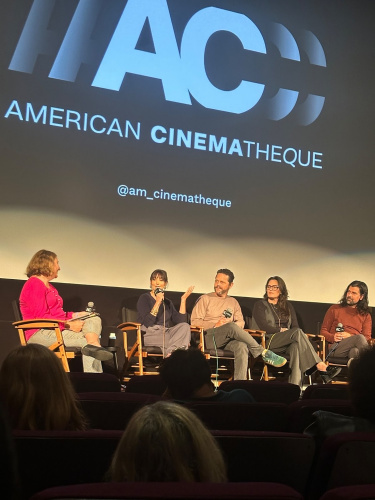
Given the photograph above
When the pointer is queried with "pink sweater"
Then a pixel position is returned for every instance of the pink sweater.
(39, 301)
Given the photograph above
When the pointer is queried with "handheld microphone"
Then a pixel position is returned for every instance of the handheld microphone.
(228, 313)
(158, 290)
(339, 328)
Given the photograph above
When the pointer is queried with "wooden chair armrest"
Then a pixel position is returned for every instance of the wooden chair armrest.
(322, 339)
(129, 325)
(38, 323)
(197, 329)
(256, 333)
(316, 336)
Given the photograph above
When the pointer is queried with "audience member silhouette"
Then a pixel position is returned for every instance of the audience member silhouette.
(37, 393)
(10, 485)
(187, 375)
(166, 442)
(362, 396)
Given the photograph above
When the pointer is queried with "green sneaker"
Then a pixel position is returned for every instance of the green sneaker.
(273, 359)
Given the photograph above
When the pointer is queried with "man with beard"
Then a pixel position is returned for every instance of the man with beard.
(352, 315)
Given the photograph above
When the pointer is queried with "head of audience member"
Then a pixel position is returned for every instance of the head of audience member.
(362, 384)
(166, 442)
(276, 289)
(187, 375)
(36, 391)
(41, 264)
(356, 294)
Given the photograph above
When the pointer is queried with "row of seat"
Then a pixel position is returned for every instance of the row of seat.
(207, 491)
(278, 406)
(48, 459)
(171, 491)
(276, 392)
(113, 411)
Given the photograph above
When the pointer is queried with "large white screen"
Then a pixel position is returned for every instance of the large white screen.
(190, 136)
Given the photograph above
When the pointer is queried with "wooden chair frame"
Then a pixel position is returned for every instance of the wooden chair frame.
(57, 347)
(137, 349)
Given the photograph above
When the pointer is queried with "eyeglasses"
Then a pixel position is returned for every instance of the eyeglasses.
(272, 287)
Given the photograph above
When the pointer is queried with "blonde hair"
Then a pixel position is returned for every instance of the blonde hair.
(41, 264)
(36, 391)
(167, 442)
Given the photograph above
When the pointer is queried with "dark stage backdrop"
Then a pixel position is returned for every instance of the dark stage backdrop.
(190, 135)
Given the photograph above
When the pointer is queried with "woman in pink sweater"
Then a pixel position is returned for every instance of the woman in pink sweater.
(40, 299)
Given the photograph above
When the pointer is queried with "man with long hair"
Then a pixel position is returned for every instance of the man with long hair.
(354, 314)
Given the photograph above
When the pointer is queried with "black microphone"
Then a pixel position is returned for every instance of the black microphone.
(228, 312)
(159, 290)
(339, 328)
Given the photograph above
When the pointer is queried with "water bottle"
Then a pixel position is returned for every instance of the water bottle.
(90, 307)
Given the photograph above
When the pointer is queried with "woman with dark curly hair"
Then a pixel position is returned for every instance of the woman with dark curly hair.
(276, 315)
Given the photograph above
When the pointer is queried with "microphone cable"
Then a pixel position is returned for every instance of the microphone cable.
(217, 364)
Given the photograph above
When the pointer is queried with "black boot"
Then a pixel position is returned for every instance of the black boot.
(330, 374)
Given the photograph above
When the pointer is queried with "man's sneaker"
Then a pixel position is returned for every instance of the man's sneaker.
(270, 358)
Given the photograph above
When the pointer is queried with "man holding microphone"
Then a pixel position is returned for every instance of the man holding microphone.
(348, 323)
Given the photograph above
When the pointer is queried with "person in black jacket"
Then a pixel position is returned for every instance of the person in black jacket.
(276, 316)
(162, 324)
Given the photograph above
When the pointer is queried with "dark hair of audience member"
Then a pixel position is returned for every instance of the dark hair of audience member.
(184, 372)
(36, 391)
(166, 442)
(362, 384)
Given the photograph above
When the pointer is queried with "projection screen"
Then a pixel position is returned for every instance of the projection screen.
(190, 136)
